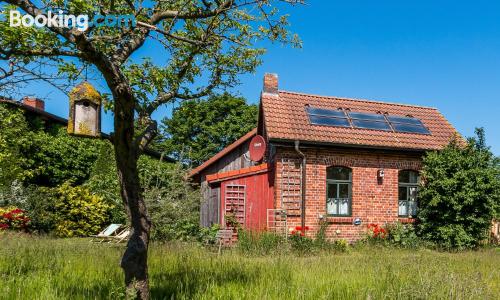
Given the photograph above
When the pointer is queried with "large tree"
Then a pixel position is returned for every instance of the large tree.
(200, 45)
(199, 128)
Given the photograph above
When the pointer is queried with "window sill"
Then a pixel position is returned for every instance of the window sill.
(340, 220)
(406, 220)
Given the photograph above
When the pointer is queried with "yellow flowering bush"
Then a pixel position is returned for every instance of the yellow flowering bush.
(78, 212)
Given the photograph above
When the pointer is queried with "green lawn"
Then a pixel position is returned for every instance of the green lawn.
(44, 268)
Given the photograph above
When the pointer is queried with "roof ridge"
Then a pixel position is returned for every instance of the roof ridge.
(357, 99)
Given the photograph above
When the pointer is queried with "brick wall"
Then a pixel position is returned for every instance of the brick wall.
(373, 200)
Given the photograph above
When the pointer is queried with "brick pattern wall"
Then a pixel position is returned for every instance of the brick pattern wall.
(373, 200)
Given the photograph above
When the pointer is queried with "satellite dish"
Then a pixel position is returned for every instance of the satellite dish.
(257, 148)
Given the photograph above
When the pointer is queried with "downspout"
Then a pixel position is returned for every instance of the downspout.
(303, 190)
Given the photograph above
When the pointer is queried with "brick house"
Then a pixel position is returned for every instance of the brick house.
(346, 162)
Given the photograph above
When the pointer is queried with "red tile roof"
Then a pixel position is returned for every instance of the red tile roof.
(285, 118)
(223, 152)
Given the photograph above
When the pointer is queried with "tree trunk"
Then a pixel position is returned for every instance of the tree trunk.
(134, 261)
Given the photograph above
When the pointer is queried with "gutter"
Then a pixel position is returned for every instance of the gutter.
(303, 190)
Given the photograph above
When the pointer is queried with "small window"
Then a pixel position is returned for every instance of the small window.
(338, 189)
(408, 191)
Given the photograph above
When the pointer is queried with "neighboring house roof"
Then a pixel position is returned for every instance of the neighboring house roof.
(223, 152)
(285, 119)
(62, 121)
(42, 113)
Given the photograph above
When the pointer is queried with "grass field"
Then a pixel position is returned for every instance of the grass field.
(44, 268)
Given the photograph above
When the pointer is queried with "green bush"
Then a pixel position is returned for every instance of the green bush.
(78, 212)
(207, 235)
(103, 182)
(173, 203)
(301, 244)
(37, 202)
(40, 206)
(403, 235)
(460, 195)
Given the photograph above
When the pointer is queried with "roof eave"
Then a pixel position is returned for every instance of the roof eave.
(306, 143)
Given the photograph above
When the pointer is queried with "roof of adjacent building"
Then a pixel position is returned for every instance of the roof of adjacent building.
(285, 119)
(62, 121)
(223, 152)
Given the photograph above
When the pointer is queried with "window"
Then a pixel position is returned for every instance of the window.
(338, 190)
(408, 188)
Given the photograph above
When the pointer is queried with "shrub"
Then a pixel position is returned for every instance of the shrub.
(37, 202)
(13, 218)
(78, 212)
(173, 203)
(376, 232)
(207, 235)
(103, 182)
(460, 195)
(40, 206)
(403, 235)
(299, 242)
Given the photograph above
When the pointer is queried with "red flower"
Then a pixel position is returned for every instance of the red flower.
(4, 226)
(17, 211)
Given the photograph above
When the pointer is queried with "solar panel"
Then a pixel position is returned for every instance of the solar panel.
(319, 120)
(338, 118)
(406, 120)
(326, 112)
(364, 116)
(410, 128)
(368, 124)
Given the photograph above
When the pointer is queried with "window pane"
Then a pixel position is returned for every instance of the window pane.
(404, 176)
(343, 190)
(331, 206)
(413, 177)
(344, 207)
(332, 191)
(413, 193)
(403, 193)
(412, 207)
(403, 208)
(338, 173)
(408, 176)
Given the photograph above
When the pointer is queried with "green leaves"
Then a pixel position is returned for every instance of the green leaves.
(461, 194)
(78, 212)
(199, 129)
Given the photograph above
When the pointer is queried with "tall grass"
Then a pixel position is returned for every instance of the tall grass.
(44, 268)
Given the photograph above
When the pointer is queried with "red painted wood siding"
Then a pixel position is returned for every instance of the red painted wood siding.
(258, 198)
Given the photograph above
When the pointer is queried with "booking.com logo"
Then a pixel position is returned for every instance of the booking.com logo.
(63, 20)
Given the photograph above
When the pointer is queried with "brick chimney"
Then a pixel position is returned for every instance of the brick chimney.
(34, 102)
(271, 83)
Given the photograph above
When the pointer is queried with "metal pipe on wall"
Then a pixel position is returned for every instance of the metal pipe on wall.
(303, 190)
